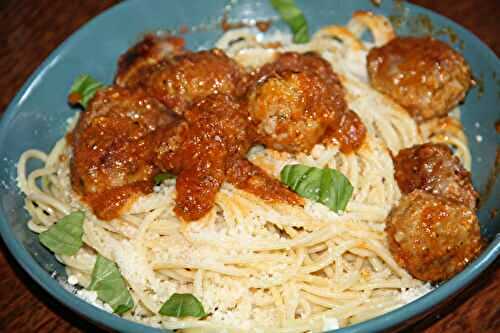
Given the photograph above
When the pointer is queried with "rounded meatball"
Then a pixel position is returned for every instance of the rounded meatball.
(294, 100)
(290, 111)
(424, 75)
(432, 237)
(433, 168)
(113, 151)
(187, 78)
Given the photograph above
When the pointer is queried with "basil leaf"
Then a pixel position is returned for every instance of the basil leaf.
(182, 305)
(159, 178)
(83, 89)
(65, 236)
(342, 188)
(294, 17)
(309, 184)
(326, 186)
(292, 176)
(110, 285)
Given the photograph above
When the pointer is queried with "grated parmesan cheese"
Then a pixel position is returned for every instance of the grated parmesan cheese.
(91, 297)
(411, 294)
(86, 295)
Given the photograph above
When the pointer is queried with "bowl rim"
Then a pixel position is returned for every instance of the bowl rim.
(100, 317)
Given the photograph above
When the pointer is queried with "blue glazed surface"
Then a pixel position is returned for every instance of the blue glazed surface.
(36, 118)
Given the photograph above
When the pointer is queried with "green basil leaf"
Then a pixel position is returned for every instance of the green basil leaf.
(159, 178)
(182, 305)
(83, 89)
(292, 174)
(65, 236)
(110, 285)
(294, 17)
(342, 188)
(309, 184)
(326, 186)
(327, 193)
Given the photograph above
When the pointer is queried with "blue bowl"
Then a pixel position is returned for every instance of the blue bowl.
(36, 119)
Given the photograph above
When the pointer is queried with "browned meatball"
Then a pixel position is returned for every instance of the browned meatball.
(290, 111)
(432, 237)
(294, 100)
(113, 155)
(424, 75)
(138, 61)
(192, 76)
(433, 168)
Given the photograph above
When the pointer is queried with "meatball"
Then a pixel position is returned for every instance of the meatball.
(187, 78)
(433, 168)
(432, 237)
(290, 111)
(113, 156)
(293, 102)
(138, 61)
(424, 75)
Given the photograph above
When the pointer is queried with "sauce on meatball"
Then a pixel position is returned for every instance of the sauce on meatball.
(431, 236)
(433, 168)
(291, 111)
(187, 78)
(297, 101)
(424, 75)
(189, 113)
(113, 155)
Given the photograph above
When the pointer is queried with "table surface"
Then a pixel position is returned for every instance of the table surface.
(30, 30)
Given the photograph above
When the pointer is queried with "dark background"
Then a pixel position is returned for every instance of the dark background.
(30, 30)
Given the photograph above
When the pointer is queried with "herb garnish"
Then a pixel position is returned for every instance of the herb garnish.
(183, 305)
(110, 286)
(83, 89)
(294, 17)
(65, 236)
(326, 186)
(161, 177)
